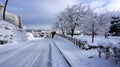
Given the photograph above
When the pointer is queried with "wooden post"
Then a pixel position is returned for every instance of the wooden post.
(99, 54)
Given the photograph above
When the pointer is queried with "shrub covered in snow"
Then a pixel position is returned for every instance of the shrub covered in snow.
(30, 36)
(10, 33)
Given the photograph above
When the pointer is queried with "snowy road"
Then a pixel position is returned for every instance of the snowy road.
(30, 54)
(57, 52)
(35, 53)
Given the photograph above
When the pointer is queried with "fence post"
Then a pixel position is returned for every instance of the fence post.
(79, 44)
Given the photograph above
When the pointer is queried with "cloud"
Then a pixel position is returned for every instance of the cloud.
(112, 5)
(43, 12)
(43, 26)
(100, 6)
(97, 4)
(36, 12)
(52, 7)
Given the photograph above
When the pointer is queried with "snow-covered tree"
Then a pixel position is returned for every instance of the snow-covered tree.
(75, 15)
(60, 24)
(96, 24)
(85, 24)
(104, 20)
(11, 18)
(71, 17)
(92, 25)
(20, 22)
(81, 17)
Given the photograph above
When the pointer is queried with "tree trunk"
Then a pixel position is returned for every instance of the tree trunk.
(84, 34)
(93, 36)
(93, 33)
(116, 33)
(63, 32)
(72, 32)
(5, 9)
(99, 54)
(105, 35)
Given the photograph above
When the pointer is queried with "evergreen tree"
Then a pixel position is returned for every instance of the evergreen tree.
(115, 26)
(20, 23)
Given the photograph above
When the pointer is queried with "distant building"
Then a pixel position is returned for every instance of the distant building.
(38, 33)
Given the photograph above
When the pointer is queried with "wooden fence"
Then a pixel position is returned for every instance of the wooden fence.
(75, 41)
(105, 50)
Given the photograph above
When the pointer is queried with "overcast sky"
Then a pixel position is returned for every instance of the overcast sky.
(42, 13)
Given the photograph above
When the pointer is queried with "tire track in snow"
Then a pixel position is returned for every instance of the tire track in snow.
(26, 56)
(66, 62)
(8, 58)
(13, 47)
(50, 56)
(44, 56)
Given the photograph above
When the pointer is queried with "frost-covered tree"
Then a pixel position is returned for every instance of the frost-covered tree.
(75, 15)
(85, 25)
(71, 17)
(96, 24)
(60, 24)
(93, 26)
(81, 17)
(11, 18)
(104, 20)
(90, 24)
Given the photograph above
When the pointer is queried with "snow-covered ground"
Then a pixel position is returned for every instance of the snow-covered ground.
(57, 59)
(28, 54)
(100, 40)
(43, 52)
(78, 57)
(113, 39)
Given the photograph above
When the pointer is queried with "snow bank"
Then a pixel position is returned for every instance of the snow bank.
(116, 46)
(92, 44)
(30, 36)
(104, 43)
(11, 33)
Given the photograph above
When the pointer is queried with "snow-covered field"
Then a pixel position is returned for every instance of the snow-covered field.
(78, 57)
(113, 39)
(100, 40)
